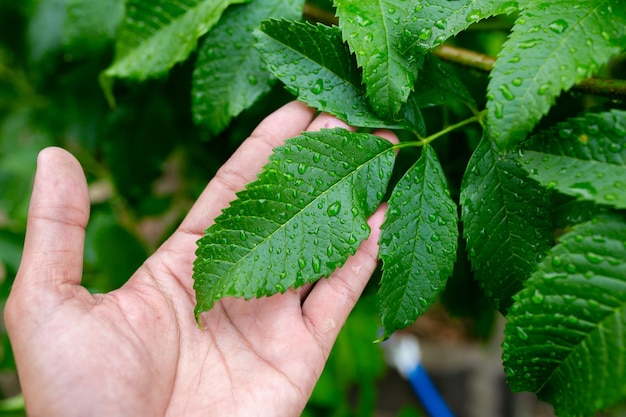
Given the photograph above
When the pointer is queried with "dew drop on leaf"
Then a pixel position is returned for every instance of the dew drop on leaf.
(506, 92)
(558, 26)
(317, 264)
(594, 258)
(522, 334)
(334, 208)
(537, 297)
(318, 87)
(301, 263)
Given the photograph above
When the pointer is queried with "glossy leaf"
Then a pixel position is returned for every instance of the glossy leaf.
(548, 39)
(431, 22)
(594, 181)
(506, 221)
(156, 35)
(317, 66)
(565, 337)
(373, 31)
(584, 157)
(438, 84)
(228, 76)
(417, 244)
(299, 221)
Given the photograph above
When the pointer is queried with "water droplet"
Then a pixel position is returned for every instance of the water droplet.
(435, 238)
(556, 262)
(558, 26)
(517, 82)
(594, 258)
(423, 301)
(317, 264)
(537, 297)
(363, 20)
(498, 110)
(318, 87)
(280, 287)
(522, 333)
(334, 208)
(473, 17)
(425, 34)
(543, 89)
(572, 319)
(351, 240)
(615, 147)
(301, 263)
(506, 92)
(302, 168)
(243, 235)
(527, 44)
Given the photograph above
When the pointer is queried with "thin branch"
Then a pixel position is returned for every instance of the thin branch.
(615, 89)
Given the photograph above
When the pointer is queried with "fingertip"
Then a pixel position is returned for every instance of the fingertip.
(327, 121)
(387, 134)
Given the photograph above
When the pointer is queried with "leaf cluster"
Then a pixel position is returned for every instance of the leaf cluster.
(529, 177)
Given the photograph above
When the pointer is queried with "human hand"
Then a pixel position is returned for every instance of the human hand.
(138, 351)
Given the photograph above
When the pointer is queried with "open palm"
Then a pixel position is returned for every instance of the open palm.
(138, 351)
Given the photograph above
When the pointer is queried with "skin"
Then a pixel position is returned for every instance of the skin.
(137, 351)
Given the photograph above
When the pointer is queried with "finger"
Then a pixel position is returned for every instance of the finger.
(326, 121)
(245, 164)
(57, 217)
(330, 300)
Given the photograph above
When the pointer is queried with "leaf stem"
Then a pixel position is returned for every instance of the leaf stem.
(478, 117)
(611, 88)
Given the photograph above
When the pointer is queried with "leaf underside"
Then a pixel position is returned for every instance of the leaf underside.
(584, 157)
(156, 35)
(418, 243)
(569, 42)
(506, 222)
(228, 76)
(316, 65)
(566, 333)
(373, 31)
(299, 221)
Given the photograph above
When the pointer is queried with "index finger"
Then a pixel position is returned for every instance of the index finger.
(243, 167)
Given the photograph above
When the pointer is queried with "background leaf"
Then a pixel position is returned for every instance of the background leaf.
(299, 221)
(317, 66)
(156, 35)
(373, 30)
(438, 84)
(90, 25)
(431, 22)
(228, 76)
(506, 221)
(565, 335)
(418, 243)
(572, 42)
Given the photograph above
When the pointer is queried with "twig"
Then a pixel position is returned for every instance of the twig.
(610, 88)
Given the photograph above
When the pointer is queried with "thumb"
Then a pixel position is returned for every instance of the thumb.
(52, 260)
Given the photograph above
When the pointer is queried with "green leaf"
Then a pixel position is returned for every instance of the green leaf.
(90, 25)
(229, 76)
(373, 31)
(299, 221)
(565, 337)
(506, 221)
(594, 181)
(417, 244)
(156, 35)
(584, 157)
(438, 84)
(431, 22)
(572, 42)
(317, 66)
